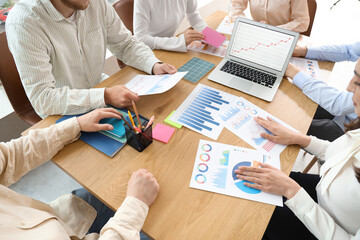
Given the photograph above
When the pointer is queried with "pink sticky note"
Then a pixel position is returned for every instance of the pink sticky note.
(162, 133)
(212, 37)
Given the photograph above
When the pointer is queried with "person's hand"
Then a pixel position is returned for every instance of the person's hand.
(119, 96)
(192, 35)
(268, 179)
(281, 134)
(163, 68)
(143, 186)
(300, 51)
(90, 122)
(291, 71)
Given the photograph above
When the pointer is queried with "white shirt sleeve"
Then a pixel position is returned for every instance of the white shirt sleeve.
(317, 147)
(316, 219)
(194, 17)
(125, 46)
(141, 30)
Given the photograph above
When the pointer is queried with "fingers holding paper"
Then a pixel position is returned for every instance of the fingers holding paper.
(90, 122)
(120, 96)
(191, 35)
(268, 179)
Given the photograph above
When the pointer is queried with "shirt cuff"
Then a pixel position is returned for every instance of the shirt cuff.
(183, 47)
(311, 52)
(97, 98)
(69, 130)
(149, 64)
(135, 211)
(300, 79)
(301, 203)
(314, 144)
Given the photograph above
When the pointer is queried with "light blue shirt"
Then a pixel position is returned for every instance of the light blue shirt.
(338, 103)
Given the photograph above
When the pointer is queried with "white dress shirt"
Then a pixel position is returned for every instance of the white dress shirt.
(337, 213)
(155, 22)
(59, 60)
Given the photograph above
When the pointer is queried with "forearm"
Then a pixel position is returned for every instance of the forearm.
(26, 153)
(125, 46)
(48, 100)
(298, 25)
(299, 17)
(335, 53)
(316, 219)
(336, 102)
(127, 221)
(237, 8)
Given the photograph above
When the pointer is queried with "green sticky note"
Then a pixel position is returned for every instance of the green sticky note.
(167, 120)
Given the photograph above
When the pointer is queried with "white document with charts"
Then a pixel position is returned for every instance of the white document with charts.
(214, 171)
(238, 118)
(208, 110)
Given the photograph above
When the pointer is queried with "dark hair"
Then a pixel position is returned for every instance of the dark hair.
(351, 126)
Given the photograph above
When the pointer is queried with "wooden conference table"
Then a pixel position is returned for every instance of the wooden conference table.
(179, 211)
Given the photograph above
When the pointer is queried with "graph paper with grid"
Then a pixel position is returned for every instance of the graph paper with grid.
(196, 68)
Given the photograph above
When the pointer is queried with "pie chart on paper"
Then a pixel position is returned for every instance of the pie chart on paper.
(240, 183)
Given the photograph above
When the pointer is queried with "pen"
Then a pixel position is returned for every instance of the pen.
(150, 122)
(137, 115)
(131, 119)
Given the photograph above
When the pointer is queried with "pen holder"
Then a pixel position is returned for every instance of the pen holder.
(139, 141)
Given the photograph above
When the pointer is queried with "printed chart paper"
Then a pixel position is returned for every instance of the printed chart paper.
(154, 84)
(310, 67)
(199, 111)
(238, 118)
(207, 49)
(226, 26)
(214, 171)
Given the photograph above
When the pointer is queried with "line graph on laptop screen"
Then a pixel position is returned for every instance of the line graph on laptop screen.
(260, 45)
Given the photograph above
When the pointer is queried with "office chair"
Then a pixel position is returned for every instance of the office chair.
(14, 89)
(310, 165)
(312, 10)
(125, 9)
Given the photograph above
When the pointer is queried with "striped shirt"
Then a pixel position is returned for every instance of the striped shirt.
(60, 60)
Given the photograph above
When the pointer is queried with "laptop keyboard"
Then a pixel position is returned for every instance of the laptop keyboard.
(250, 74)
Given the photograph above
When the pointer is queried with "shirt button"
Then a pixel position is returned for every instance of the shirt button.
(28, 82)
(89, 76)
(22, 224)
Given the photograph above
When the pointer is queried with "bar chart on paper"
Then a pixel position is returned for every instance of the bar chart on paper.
(201, 109)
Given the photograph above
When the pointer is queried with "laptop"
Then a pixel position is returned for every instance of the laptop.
(256, 59)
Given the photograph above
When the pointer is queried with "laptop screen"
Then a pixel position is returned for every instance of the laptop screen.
(260, 45)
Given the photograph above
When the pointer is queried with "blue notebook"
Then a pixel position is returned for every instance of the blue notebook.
(108, 142)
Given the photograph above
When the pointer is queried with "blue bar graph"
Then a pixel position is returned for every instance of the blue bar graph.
(201, 109)
(229, 113)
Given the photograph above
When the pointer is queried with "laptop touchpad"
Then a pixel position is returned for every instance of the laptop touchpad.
(241, 84)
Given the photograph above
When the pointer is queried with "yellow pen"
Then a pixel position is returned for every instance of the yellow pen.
(132, 120)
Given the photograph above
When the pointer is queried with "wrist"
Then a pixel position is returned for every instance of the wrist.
(292, 189)
(305, 50)
(304, 140)
(106, 96)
